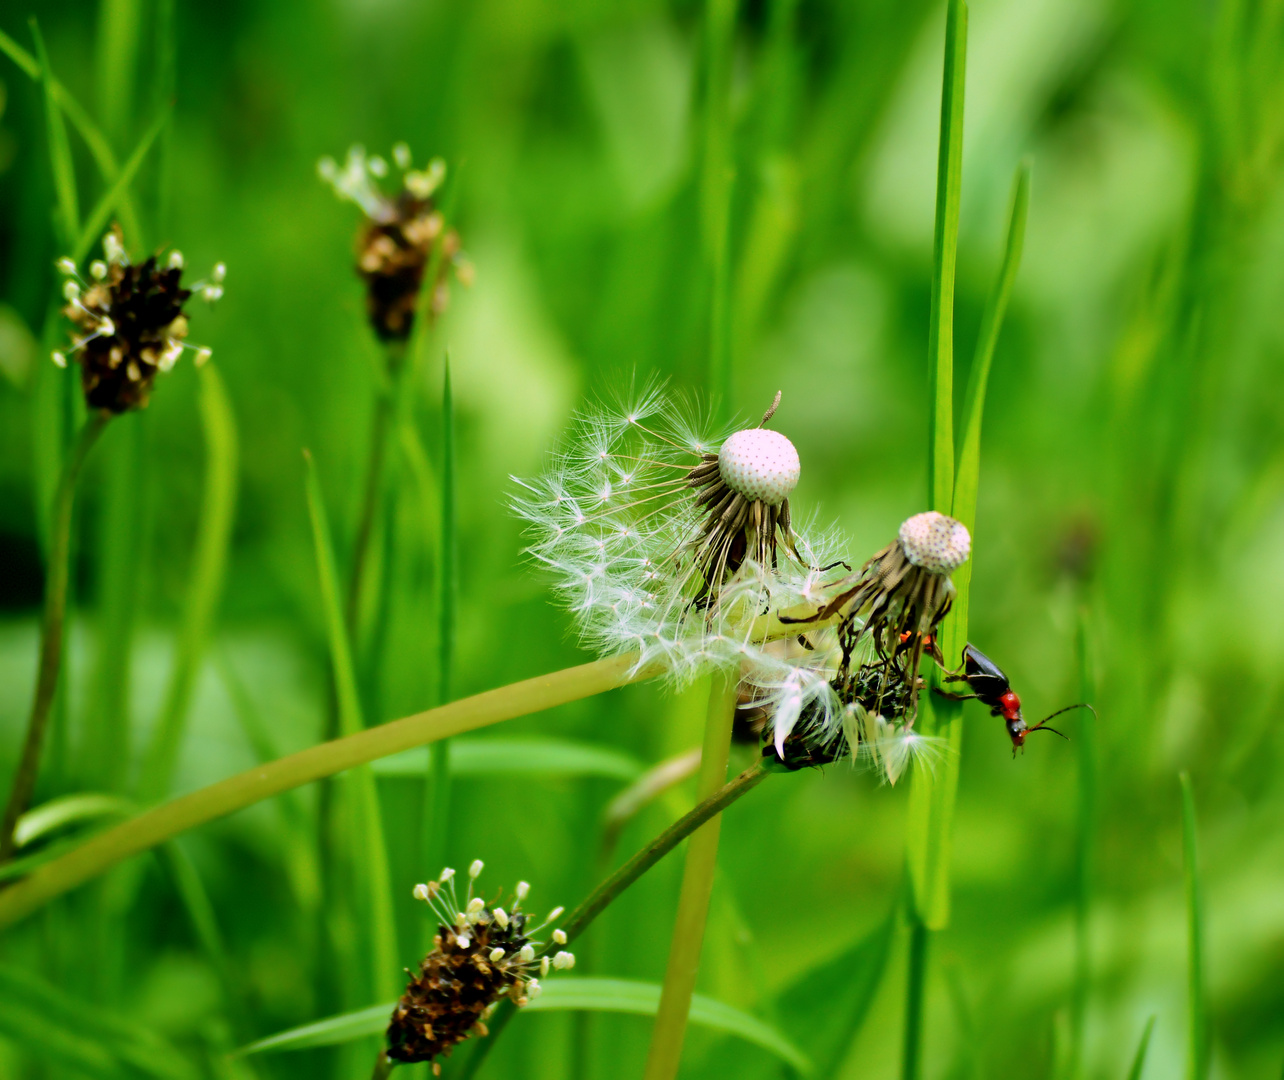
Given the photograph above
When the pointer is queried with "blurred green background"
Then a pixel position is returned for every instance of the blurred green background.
(1132, 484)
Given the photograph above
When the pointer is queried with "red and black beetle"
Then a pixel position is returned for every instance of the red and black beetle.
(990, 686)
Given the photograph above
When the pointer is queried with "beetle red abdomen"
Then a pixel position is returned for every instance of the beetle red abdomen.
(1011, 705)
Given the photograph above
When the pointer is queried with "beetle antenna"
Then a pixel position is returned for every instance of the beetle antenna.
(1078, 705)
(1040, 727)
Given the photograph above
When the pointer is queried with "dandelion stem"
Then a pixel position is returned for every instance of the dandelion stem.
(697, 885)
(51, 629)
(261, 782)
(582, 917)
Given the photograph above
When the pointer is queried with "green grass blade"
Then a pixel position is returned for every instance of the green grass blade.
(99, 215)
(715, 193)
(1139, 1058)
(214, 534)
(533, 756)
(64, 171)
(34, 1014)
(969, 463)
(369, 826)
(332, 1031)
(558, 995)
(847, 984)
(86, 861)
(50, 817)
(932, 795)
(119, 26)
(99, 148)
(940, 340)
(1197, 1010)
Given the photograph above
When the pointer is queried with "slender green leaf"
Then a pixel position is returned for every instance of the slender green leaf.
(99, 148)
(1197, 1010)
(526, 756)
(940, 339)
(214, 534)
(329, 1032)
(559, 994)
(847, 984)
(91, 858)
(969, 467)
(64, 171)
(36, 1015)
(98, 216)
(716, 179)
(1139, 1058)
(376, 874)
(932, 795)
(57, 814)
(119, 33)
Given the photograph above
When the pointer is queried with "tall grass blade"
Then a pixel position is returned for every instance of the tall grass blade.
(940, 334)
(698, 872)
(99, 215)
(34, 1015)
(101, 151)
(261, 782)
(847, 984)
(715, 193)
(372, 864)
(1139, 1058)
(58, 814)
(558, 995)
(529, 756)
(1197, 1055)
(119, 31)
(214, 534)
(60, 162)
(932, 794)
(1085, 856)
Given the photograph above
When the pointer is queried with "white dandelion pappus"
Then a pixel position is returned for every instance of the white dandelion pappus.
(656, 544)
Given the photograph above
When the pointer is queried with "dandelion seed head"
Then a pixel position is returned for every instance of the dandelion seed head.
(936, 543)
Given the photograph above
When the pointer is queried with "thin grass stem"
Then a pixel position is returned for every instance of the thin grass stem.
(64, 172)
(916, 981)
(209, 562)
(52, 627)
(1085, 854)
(715, 193)
(315, 763)
(371, 866)
(1139, 1059)
(437, 795)
(697, 885)
(579, 920)
(1197, 1056)
(99, 148)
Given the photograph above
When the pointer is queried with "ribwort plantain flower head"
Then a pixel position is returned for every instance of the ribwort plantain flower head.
(401, 233)
(669, 538)
(130, 321)
(482, 952)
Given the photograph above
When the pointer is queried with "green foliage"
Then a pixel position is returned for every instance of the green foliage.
(1128, 523)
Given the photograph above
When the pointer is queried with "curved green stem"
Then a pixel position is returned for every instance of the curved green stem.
(670, 1028)
(51, 629)
(580, 919)
(263, 781)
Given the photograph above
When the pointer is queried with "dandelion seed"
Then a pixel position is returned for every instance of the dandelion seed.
(667, 538)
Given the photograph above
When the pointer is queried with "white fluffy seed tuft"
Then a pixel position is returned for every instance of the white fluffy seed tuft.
(937, 543)
(760, 464)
